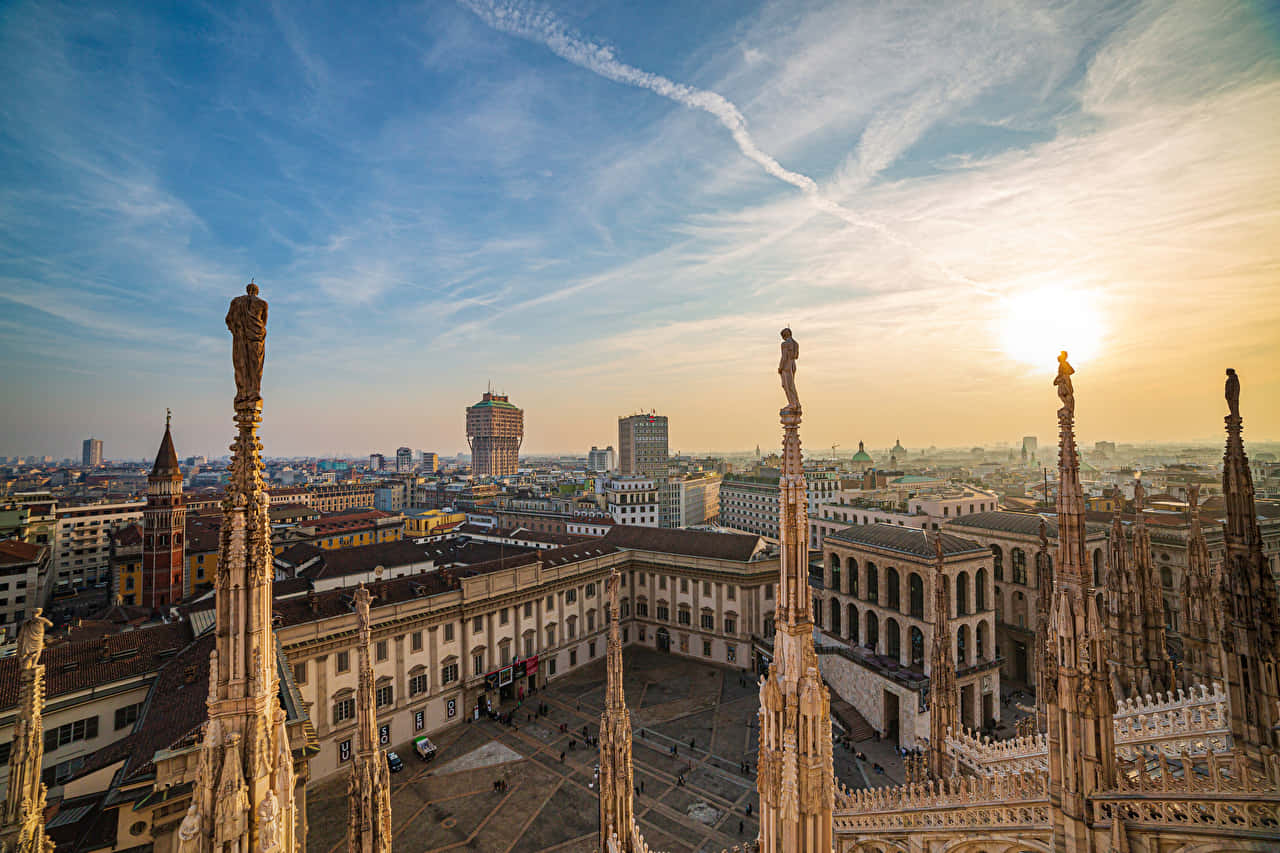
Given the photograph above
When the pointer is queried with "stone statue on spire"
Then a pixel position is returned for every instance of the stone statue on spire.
(787, 369)
(247, 320)
(1066, 393)
(1233, 393)
(22, 819)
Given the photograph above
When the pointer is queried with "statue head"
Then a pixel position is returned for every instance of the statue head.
(786, 334)
(1231, 371)
(1062, 356)
(251, 289)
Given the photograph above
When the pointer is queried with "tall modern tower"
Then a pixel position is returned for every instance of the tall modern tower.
(163, 524)
(642, 445)
(495, 429)
(92, 452)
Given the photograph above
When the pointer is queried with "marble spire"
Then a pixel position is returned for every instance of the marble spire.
(1046, 671)
(1124, 602)
(22, 823)
(944, 691)
(1080, 705)
(1249, 639)
(369, 785)
(617, 806)
(244, 800)
(1156, 664)
(1200, 604)
(795, 776)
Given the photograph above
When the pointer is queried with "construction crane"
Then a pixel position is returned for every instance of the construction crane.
(834, 458)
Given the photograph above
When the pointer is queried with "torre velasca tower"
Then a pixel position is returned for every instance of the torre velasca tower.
(495, 429)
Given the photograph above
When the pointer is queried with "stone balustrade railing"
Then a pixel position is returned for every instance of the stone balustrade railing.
(982, 755)
(1195, 721)
(1235, 815)
(1210, 773)
(1013, 801)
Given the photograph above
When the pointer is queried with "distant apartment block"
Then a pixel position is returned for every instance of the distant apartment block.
(430, 462)
(82, 544)
(91, 453)
(377, 461)
(642, 445)
(750, 503)
(690, 500)
(495, 429)
(404, 460)
(632, 501)
(602, 460)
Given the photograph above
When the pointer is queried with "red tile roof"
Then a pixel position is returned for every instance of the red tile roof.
(15, 552)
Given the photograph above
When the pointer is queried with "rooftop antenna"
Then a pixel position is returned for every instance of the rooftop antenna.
(168, 416)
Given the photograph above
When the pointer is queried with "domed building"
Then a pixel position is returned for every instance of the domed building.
(861, 460)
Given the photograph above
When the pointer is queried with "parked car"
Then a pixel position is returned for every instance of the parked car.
(394, 762)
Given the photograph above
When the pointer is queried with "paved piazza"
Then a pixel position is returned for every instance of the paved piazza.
(451, 804)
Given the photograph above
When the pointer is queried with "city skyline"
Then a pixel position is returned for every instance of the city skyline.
(490, 190)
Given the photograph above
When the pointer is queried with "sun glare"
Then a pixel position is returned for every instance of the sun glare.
(1037, 324)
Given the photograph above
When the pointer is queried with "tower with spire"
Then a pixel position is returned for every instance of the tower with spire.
(163, 526)
(1200, 661)
(1079, 704)
(244, 799)
(944, 691)
(22, 822)
(369, 785)
(795, 776)
(1249, 637)
(617, 807)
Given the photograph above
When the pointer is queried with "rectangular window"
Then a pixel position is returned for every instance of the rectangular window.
(477, 664)
(662, 581)
(573, 657)
(343, 710)
(127, 716)
(706, 648)
(642, 579)
(664, 614)
(708, 622)
(528, 610)
(706, 587)
(528, 646)
(448, 632)
(384, 696)
(684, 584)
(380, 650)
(730, 625)
(449, 673)
(344, 661)
(591, 649)
(503, 618)
(768, 592)
(86, 729)
(642, 608)
(551, 603)
(477, 625)
(731, 653)
(415, 641)
(591, 590)
(684, 616)
(731, 592)
(570, 596)
(573, 629)
(551, 667)
(417, 684)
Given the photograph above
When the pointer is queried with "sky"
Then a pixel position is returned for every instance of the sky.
(604, 207)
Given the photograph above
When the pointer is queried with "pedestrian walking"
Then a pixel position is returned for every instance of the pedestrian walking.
(562, 758)
(740, 825)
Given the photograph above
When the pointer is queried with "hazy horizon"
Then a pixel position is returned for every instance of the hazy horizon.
(615, 207)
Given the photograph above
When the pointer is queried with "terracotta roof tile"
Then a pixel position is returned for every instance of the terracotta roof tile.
(689, 543)
(15, 551)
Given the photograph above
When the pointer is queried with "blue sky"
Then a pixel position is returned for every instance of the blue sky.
(609, 206)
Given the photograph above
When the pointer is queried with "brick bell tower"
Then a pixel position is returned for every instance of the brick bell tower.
(163, 525)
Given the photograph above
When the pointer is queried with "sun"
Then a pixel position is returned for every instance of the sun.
(1035, 325)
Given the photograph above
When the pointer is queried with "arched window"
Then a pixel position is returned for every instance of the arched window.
(873, 583)
(997, 561)
(835, 574)
(851, 570)
(817, 611)
(983, 640)
(873, 630)
(962, 593)
(917, 647)
(1019, 560)
(852, 625)
(895, 589)
(1097, 567)
(916, 592)
(1166, 577)
(893, 639)
(962, 645)
(980, 590)
(835, 616)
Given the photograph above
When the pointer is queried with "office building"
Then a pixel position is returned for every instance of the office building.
(92, 452)
(495, 429)
(602, 460)
(404, 460)
(642, 445)
(689, 500)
